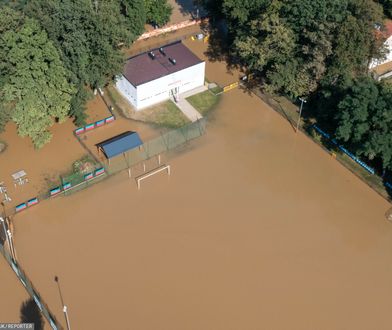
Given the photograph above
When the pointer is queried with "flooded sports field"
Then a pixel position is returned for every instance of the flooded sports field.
(256, 228)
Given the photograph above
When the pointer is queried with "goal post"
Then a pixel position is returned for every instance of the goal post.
(151, 173)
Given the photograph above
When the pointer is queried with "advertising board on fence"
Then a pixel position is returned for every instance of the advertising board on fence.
(231, 86)
(90, 127)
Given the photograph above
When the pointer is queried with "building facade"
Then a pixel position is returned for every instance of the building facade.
(382, 68)
(160, 74)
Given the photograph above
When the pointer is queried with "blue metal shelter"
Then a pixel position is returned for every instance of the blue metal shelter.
(119, 144)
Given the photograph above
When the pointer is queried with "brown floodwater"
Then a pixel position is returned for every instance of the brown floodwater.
(45, 165)
(256, 228)
(12, 294)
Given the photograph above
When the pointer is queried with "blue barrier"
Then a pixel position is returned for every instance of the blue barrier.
(353, 157)
(79, 130)
(20, 207)
(99, 171)
(109, 119)
(88, 176)
(100, 123)
(89, 127)
(54, 191)
(32, 201)
(321, 132)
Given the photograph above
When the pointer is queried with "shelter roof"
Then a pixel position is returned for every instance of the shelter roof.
(146, 67)
(120, 144)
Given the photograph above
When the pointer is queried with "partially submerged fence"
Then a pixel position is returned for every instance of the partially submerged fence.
(360, 169)
(344, 150)
(160, 145)
(55, 325)
(74, 181)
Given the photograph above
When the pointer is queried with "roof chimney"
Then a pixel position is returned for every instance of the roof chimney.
(162, 51)
(172, 60)
(152, 55)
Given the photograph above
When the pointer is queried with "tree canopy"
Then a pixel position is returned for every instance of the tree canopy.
(365, 119)
(88, 37)
(320, 49)
(75, 46)
(295, 44)
(387, 4)
(34, 90)
(157, 11)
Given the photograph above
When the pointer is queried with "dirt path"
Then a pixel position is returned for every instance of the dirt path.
(257, 228)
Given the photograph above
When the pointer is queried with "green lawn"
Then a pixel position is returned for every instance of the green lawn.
(165, 114)
(169, 115)
(204, 102)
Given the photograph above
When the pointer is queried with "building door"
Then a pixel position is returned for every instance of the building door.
(175, 94)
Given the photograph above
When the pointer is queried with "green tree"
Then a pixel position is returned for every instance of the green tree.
(134, 13)
(365, 119)
(34, 86)
(88, 34)
(387, 5)
(289, 41)
(15, 4)
(355, 43)
(268, 40)
(158, 11)
(296, 44)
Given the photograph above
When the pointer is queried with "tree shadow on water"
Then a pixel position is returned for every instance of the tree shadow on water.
(189, 7)
(30, 313)
(218, 49)
(387, 181)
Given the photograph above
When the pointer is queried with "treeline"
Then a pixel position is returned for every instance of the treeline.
(320, 49)
(53, 51)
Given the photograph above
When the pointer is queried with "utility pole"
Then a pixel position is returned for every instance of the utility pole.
(8, 236)
(300, 112)
(65, 309)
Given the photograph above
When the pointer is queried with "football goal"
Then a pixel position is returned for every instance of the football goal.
(159, 169)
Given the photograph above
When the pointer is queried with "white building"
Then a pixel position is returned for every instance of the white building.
(160, 74)
(383, 67)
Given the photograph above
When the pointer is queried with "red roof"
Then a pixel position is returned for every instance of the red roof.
(388, 28)
(143, 68)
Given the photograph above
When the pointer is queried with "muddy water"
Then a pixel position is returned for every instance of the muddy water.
(46, 164)
(182, 10)
(12, 294)
(257, 228)
(41, 166)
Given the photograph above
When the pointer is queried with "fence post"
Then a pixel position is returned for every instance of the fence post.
(31, 290)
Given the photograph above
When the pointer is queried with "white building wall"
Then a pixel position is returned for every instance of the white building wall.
(388, 56)
(127, 90)
(158, 90)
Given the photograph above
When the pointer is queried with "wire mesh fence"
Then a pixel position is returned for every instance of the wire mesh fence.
(290, 112)
(54, 324)
(134, 160)
(88, 170)
(158, 146)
